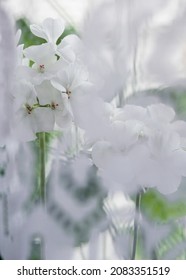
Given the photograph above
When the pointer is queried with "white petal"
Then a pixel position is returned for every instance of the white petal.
(131, 112)
(179, 127)
(179, 162)
(63, 120)
(73, 41)
(23, 129)
(122, 135)
(41, 54)
(163, 144)
(166, 179)
(50, 30)
(18, 36)
(61, 81)
(102, 154)
(67, 54)
(24, 93)
(47, 93)
(161, 112)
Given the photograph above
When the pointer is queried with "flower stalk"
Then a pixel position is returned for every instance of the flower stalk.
(42, 167)
(136, 224)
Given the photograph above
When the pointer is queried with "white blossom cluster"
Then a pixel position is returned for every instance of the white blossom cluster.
(47, 78)
(143, 147)
(62, 82)
(133, 147)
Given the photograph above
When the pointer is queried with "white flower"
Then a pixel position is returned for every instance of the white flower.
(29, 120)
(50, 30)
(45, 64)
(121, 156)
(58, 111)
(71, 80)
(143, 148)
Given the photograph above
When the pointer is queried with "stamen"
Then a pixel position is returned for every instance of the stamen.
(68, 92)
(28, 108)
(54, 105)
(42, 68)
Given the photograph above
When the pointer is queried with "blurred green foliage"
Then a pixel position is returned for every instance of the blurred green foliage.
(159, 208)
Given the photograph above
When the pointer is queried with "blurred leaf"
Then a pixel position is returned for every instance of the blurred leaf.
(174, 245)
(157, 207)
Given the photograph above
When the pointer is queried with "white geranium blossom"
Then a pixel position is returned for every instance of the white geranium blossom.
(29, 120)
(38, 110)
(71, 80)
(51, 30)
(143, 147)
(58, 111)
(39, 106)
(46, 65)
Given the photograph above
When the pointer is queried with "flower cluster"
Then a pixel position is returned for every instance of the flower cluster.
(47, 78)
(143, 147)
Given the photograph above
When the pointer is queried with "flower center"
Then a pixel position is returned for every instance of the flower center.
(68, 92)
(41, 68)
(54, 105)
(28, 108)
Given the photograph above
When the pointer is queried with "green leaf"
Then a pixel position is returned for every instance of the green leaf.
(159, 208)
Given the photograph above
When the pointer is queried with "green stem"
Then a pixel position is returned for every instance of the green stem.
(42, 167)
(136, 225)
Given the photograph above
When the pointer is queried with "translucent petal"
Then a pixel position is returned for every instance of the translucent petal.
(64, 120)
(131, 112)
(41, 54)
(161, 112)
(50, 30)
(67, 54)
(23, 129)
(102, 153)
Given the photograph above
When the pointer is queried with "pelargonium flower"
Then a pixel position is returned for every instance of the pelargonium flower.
(71, 79)
(28, 120)
(58, 111)
(121, 156)
(143, 148)
(50, 30)
(46, 65)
